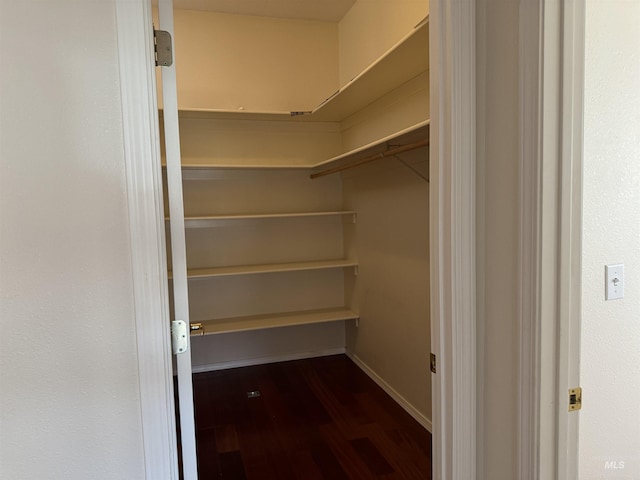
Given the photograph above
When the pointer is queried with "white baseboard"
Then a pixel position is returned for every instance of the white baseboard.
(264, 360)
(400, 400)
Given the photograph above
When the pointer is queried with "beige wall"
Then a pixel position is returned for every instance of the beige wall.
(371, 27)
(610, 363)
(69, 395)
(234, 62)
(391, 292)
(252, 142)
(497, 135)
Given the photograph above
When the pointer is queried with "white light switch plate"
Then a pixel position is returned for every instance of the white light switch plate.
(614, 277)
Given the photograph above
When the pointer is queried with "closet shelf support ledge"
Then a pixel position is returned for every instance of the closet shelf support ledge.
(387, 153)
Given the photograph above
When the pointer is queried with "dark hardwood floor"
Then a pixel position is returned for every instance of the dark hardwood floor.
(319, 418)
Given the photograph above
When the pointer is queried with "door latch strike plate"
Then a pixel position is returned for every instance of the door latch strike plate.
(575, 399)
(196, 329)
(433, 363)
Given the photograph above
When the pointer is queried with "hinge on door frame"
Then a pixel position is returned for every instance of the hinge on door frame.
(163, 49)
(179, 341)
(575, 399)
(433, 362)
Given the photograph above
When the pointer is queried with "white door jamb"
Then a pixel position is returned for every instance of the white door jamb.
(551, 86)
(452, 199)
(147, 234)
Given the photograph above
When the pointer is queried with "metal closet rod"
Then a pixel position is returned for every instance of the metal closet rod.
(371, 158)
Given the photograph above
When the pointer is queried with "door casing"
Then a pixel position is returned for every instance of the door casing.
(147, 232)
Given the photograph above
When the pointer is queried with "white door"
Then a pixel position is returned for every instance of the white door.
(178, 251)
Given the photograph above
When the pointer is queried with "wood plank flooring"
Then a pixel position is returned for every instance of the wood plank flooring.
(319, 418)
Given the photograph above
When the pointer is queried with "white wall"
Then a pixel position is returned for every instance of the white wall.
(69, 395)
(610, 365)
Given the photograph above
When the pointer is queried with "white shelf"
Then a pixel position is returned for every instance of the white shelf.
(404, 61)
(207, 221)
(193, 166)
(410, 134)
(213, 113)
(417, 132)
(195, 273)
(260, 322)
(218, 171)
(268, 268)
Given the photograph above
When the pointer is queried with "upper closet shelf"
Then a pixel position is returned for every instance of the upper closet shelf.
(404, 61)
(411, 138)
(414, 136)
(195, 167)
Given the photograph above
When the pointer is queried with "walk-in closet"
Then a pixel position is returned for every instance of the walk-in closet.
(304, 144)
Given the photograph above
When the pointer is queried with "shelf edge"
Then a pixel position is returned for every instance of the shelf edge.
(376, 143)
(277, 320)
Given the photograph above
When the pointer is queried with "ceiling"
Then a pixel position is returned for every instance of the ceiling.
(323, 10)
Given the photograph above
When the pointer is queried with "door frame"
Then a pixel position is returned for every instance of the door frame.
(569, 207)
(141, 137)
(179, 282)
(452, 249)
(551, 129)
(452, 214)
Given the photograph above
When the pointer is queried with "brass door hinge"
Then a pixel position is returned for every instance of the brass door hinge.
(433, 363)
(164, 53)
(575, 399)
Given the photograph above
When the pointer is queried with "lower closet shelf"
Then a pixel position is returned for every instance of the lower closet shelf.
(259, 322)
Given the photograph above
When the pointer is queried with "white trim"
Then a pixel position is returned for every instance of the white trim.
(146, 225)
(548, 320)
(452, 242)
(551, 71)
(249, 362)
(551, 91)
(178, 248)
(530, 71)
(481, 76)
(393, 393)
(570, 249)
